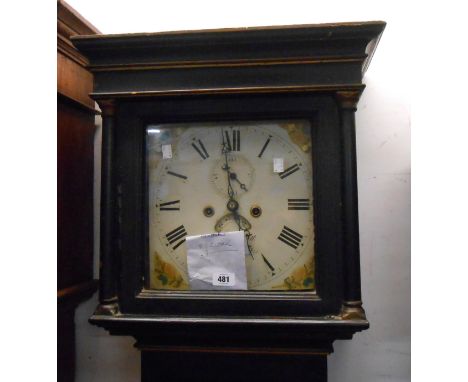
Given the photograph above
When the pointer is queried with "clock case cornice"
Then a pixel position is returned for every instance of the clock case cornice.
(301, 58)
(324, 60)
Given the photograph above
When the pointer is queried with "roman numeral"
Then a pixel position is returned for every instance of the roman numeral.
(177, 175)
(235, 140)
(201, 149)
(289, 171)
(264, 146)
(176, 236)
(298, 204)
(290, 237)
(170, 206)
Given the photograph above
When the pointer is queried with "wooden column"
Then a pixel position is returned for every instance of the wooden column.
(107, 290)
(352, 306)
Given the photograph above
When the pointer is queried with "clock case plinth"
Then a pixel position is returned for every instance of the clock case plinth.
(311, 71)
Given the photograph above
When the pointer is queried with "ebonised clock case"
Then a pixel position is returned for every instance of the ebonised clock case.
(131, 235)
(311, 72)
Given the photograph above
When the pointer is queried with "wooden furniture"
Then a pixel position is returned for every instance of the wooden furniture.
(311, 72)
(75, 153)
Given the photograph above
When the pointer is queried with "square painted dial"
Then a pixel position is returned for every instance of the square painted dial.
(254, 177)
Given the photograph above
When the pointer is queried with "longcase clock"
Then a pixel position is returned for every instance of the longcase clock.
(237, 130)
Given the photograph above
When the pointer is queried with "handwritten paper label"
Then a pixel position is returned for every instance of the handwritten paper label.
(278, 164)
(167, 151)
(217, 261)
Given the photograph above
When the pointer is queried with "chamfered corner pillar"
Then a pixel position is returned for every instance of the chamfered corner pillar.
(107, 266)
(352, 306)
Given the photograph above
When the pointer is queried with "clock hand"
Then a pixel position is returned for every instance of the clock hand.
(233, 176)
(242, 220)
(272, 269)
(230, 175)
(248, 235)
(233, 205)
(225, 151)
(242, 223)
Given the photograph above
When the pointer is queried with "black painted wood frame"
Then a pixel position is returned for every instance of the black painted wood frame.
(311, 71)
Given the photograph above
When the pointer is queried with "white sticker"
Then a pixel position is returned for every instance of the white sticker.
(224, 279)
(278, 164)
(167, 151)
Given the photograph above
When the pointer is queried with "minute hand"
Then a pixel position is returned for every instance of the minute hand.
(225, 151)
(232, 203)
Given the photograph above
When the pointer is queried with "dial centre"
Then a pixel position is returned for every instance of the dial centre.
(232, 205)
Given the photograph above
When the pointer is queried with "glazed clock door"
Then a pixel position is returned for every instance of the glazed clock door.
(253, 176)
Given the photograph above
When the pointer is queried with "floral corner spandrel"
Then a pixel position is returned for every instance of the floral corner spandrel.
(166, 276)
(302, 278)
(298, 134)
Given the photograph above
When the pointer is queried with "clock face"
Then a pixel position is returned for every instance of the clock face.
(219, 177)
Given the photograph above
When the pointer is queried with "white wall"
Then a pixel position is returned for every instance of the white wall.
(381, 353)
